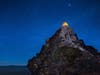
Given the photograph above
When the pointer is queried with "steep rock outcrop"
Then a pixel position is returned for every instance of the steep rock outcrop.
(65, 54)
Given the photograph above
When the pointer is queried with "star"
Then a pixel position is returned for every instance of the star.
(69, 4)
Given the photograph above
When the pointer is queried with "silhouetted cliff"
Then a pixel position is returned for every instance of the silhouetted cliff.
(65, 54)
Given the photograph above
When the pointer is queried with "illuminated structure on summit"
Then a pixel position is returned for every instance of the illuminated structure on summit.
(64, 24)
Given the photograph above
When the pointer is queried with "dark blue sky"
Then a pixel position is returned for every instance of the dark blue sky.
(26, 24)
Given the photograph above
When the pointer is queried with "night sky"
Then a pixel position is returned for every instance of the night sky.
(26, 24)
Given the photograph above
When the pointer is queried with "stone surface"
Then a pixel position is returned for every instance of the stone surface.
(65, 54)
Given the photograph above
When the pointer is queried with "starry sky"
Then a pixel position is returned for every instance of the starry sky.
(26, 24)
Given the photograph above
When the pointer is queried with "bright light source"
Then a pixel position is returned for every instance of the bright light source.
(65, 24)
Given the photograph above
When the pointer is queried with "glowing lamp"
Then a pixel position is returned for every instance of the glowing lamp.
(65, 24)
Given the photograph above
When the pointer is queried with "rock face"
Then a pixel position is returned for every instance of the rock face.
(65, 54)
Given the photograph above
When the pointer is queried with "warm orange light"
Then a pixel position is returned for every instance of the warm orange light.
(65, 24)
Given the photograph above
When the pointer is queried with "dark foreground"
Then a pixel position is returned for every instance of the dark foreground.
(14, 70)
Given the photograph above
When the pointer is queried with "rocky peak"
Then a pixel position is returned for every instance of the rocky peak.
(65, 36)
(65, 54)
